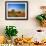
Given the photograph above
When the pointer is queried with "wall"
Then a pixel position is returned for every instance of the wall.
(25, 27)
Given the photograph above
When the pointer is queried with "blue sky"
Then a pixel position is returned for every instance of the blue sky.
(17, 7)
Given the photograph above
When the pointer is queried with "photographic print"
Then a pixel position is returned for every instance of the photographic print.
(16, 10)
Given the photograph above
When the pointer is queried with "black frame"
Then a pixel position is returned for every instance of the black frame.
(15, 19)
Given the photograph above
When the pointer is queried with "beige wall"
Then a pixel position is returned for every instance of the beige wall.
(25, 27)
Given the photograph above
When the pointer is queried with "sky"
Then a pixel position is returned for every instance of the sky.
(17, 7)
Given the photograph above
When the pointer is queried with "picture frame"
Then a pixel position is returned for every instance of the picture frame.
(16, 10)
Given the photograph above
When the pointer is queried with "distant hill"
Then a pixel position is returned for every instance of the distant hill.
(14, 13)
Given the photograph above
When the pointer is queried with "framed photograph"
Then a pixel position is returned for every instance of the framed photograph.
(16, 10)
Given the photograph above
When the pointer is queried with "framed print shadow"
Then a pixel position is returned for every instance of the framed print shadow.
(16, 10)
